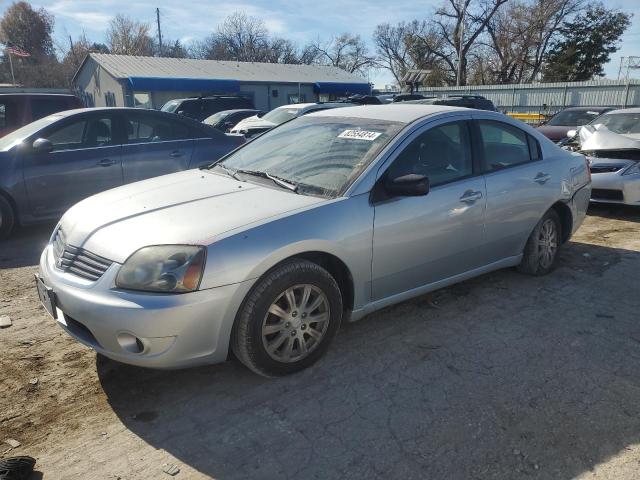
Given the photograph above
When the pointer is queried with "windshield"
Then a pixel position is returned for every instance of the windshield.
(622, 123)
(170, 106)
(19, 135)
(321, 155)
(572, 118)
(281, 115)
(215, 118)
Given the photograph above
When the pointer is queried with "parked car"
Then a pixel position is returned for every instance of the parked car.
(200, 108)
(557, 127)
(54, 162)
(468, 101)
(19, 109)
(405, 97)
(227, 119)
(611, 143)
(252, 126)
(325, 218)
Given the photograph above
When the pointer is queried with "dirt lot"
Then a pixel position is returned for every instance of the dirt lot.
(504, 376)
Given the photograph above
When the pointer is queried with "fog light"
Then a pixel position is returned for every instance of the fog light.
(130, 343)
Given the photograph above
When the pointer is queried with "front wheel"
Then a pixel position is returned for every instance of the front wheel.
(541, 251)
(288, 320)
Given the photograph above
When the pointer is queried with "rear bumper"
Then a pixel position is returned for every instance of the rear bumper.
(148, 330)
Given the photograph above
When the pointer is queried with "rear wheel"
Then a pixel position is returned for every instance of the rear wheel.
(541, 250)
(288, 320)
(7, 219)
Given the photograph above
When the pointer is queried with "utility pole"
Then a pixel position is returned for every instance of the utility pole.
(459, 73)
(159, 30)
(73, 52)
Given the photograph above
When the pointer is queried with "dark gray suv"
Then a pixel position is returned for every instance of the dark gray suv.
(53, 163)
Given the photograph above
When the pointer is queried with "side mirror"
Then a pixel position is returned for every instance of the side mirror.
(42, 145)
(572, 133)
(411, 185)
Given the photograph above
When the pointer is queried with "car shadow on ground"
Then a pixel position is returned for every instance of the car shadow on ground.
(615, 212)
(503, 376)
(24, 246)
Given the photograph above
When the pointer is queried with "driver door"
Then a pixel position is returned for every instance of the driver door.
(424, 239)
(85, 160)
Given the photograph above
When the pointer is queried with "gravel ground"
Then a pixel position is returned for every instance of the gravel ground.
(502, 377)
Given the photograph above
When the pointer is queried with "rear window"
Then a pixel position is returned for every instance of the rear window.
(41, 107)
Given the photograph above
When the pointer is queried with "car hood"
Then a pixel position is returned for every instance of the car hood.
(192, 207)
(598, 137)
(253, 122)
(553, 132)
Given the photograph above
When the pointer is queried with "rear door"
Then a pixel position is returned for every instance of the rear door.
(520, 186)
(156, 145)
(85, 160)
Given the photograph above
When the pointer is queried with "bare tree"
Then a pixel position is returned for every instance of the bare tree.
(459, 23)
(346, 51)
(519, 37)
(393, 46)
(126, 36)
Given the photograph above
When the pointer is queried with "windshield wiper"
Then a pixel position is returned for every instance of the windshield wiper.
(229, 171)
(289, 185)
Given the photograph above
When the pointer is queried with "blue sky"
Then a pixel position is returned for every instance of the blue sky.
(293, 19)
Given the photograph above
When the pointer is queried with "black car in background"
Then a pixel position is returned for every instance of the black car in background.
(200, 108)
(407, 97)
(227, 119)
(468, 101)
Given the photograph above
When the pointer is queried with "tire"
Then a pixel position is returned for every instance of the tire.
(7, 218)
(269, 333)
(541, 251)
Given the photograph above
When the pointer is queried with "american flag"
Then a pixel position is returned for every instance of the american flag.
(17, 51)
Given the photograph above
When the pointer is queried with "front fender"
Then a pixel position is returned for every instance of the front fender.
(342, 228)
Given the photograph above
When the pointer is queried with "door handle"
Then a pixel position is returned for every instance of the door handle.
(542, 178)
(176, 154)
(106, 162)
(471, 196)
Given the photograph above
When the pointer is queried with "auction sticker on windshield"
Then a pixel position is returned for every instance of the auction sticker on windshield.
(360, 135)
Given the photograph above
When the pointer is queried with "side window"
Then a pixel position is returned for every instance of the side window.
(503, 145)
(41, 107)
(88, 133)
(143, 129)
(442, 153)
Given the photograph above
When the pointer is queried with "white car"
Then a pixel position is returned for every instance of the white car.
(612, 145)
(255, 125)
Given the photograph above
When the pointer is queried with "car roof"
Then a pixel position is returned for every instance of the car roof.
(624, 110)
(236, 110)
(393, 112)
(37, 94)
(584, 109)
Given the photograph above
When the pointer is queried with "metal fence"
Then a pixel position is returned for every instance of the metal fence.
(548, 98)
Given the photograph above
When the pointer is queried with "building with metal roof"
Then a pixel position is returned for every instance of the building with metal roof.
(122, 80)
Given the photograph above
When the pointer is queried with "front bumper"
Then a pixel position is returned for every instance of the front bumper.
(144, 329)
(615, 188)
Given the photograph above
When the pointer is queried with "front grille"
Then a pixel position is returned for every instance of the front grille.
(78, 261)
(605, 194)
(604, 169)
(629, 154)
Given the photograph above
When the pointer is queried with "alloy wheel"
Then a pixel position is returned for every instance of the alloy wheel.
(547, 243)
(295, 323)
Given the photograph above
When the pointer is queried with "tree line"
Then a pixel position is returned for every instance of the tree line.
(462, 42)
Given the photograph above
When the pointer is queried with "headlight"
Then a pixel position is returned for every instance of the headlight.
(632, 169)
(163, 268)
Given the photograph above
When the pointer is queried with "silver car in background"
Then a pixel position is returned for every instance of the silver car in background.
(326, 218)
(612, 146)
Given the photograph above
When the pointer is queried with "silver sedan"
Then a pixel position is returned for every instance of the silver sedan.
(324, 219)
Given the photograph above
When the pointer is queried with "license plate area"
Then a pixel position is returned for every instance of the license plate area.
(47, 297)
